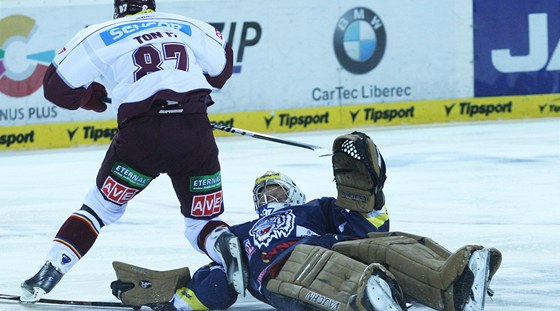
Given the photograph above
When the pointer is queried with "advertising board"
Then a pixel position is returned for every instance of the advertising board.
(517, 47)
(288, 54)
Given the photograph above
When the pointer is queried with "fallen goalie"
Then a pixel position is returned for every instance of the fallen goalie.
(326, 254)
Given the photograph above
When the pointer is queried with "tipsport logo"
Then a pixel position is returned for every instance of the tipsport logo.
(20, 74)
(359, 40)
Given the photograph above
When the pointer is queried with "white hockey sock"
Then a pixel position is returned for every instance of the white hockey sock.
(62, 257)
(210, 246)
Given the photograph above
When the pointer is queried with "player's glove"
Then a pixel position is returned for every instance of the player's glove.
(95, 103)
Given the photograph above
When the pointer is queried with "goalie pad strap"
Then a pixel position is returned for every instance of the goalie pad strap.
(322, 279)
(150, 286)
(425, 270)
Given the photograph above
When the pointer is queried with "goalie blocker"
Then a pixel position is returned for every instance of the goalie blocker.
(359, 172)
(137, 286)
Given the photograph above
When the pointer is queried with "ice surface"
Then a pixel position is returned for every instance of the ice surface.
(495, 184)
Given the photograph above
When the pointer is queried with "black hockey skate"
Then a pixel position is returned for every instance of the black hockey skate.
(40, 284)
(229, 248)
(470, 290)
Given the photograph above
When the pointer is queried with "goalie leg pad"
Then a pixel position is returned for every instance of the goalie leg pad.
(425, 270)
(324, 280)
(150, 286)
(495, 261)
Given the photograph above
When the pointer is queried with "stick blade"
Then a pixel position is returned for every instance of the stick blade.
(322, 152)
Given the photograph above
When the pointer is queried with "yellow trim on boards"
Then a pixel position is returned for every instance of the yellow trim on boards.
(48, 136)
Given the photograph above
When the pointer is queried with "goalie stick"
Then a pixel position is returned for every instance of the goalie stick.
(321, 152)
(106, 304)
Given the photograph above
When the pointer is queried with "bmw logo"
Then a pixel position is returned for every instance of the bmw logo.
(359, 40)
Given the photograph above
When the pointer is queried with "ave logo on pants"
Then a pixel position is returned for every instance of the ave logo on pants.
(207, 205)
(117, 192)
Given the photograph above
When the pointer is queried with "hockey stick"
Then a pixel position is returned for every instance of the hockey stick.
(73, 302)
(321, 152)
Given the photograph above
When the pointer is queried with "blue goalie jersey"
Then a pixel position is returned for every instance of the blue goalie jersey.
(270, 239)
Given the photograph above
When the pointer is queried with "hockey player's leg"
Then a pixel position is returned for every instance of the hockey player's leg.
(215, 239)
(73, 240)
(315, 278)
(427, 272)
(209, 234)
(40, 284)
(231, 256)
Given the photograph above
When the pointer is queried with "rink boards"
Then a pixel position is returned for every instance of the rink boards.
(46, 136)
(296, 68)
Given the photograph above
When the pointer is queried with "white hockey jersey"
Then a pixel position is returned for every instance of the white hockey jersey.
(139, 55)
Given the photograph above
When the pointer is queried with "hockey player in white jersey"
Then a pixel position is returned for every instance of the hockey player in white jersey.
(159, 70)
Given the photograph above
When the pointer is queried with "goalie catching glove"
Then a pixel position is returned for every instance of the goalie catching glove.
(359, 172)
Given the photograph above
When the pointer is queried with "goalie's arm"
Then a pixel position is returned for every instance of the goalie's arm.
(354, 224)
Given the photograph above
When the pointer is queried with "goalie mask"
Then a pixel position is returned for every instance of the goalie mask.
(129, 7)
(359, 172)
(274, 191)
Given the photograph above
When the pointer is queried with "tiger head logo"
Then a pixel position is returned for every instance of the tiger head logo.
(271, 227)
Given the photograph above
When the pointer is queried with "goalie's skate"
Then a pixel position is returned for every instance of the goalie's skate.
(381, 295)
(229, 248)
(40, 284)
(477, 270)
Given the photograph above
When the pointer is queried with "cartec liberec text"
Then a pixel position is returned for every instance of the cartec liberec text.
(364, 92)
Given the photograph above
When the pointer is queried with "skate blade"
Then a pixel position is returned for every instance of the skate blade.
(237, 276)
(379, 295)
(479, 264)
(28, 297)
